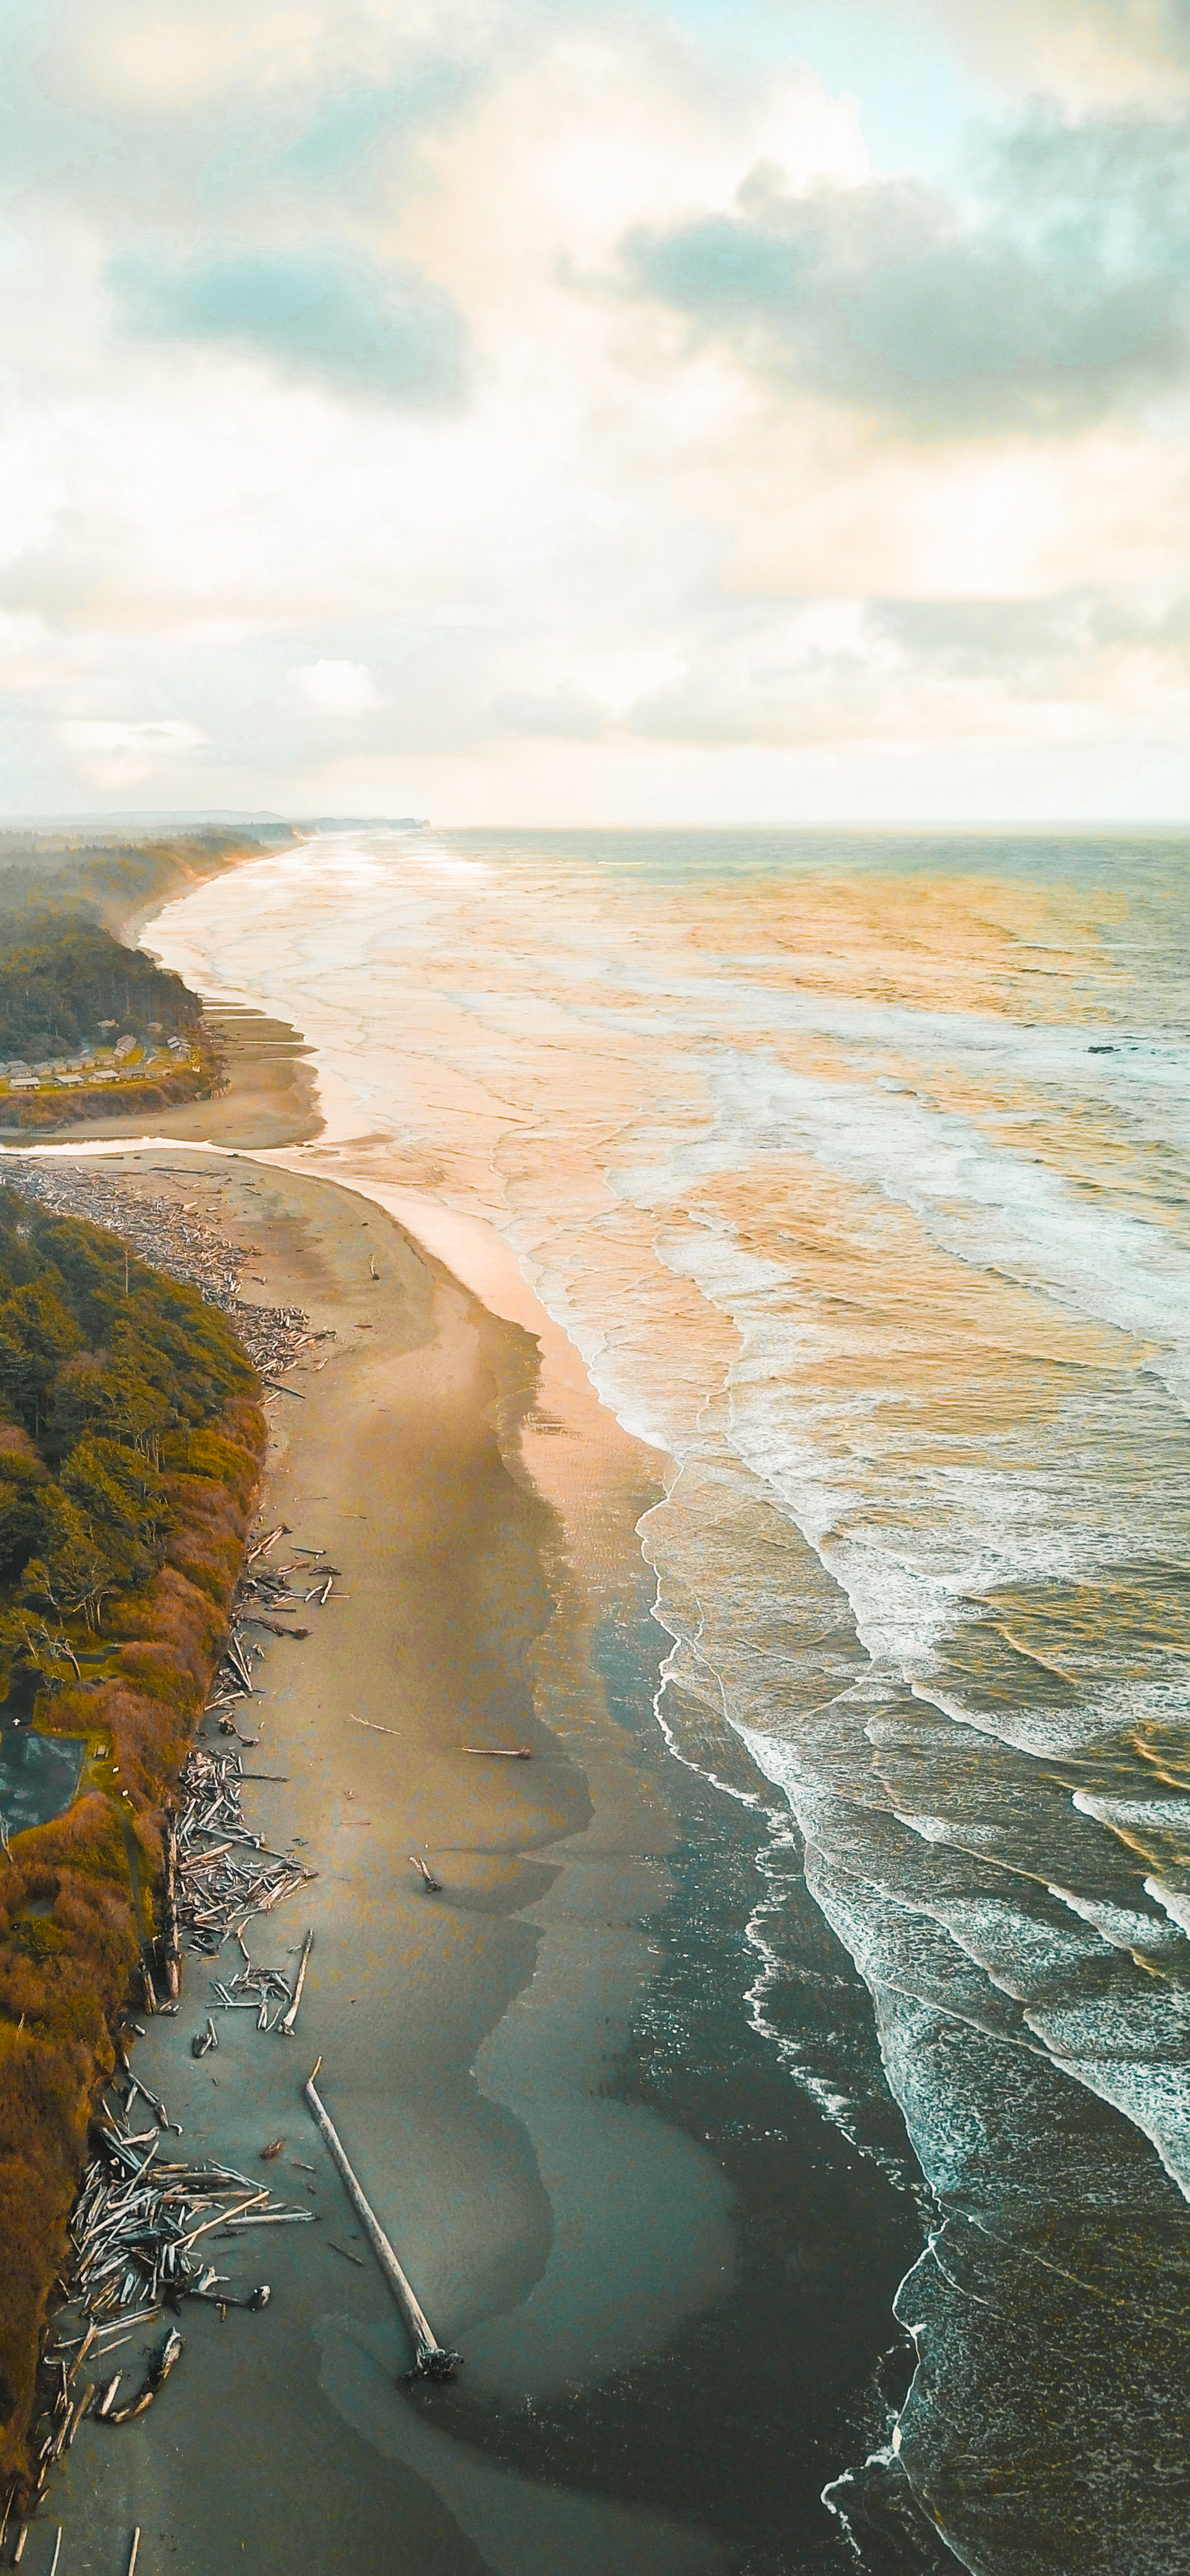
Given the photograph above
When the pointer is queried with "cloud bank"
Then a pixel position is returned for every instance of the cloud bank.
(319, 312)
(1059, 296)
(531, 414)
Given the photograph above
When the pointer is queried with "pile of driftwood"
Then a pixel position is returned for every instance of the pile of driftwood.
(135, 2231)
(265, 1595)
(137, 2225)
(273, 1585)
(219, 1874)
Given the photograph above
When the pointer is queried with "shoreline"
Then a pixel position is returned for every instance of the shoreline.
(567, 2215)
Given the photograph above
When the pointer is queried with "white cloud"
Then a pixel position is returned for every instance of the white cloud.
(335, 688)
(623, 572)
(116, 753)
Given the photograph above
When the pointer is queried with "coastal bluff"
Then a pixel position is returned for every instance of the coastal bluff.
(131, 1444)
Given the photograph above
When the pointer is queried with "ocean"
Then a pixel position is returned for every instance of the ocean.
(855, 1167)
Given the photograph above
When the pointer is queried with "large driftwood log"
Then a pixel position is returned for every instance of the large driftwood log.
(431, 2360)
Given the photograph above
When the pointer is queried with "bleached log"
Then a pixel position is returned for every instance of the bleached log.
(431, 2360)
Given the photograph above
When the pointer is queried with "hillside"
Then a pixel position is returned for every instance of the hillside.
(130, 1442)
(88, 1024)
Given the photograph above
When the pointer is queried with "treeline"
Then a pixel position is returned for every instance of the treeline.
(106, 1370)
(111, 879)
(130, 1447)
(61, 977)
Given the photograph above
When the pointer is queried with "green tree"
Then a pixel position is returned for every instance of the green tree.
(104, 1391)
(76, 1571)
(36, 1335)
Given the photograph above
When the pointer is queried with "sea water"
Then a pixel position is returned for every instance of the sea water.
(856, 1168)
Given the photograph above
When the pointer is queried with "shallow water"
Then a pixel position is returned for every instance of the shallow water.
(857, 1172)
(39, 1774)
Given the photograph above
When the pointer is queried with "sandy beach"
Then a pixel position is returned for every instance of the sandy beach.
(599, 2181)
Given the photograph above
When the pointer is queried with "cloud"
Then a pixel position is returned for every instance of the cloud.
(322, 311)
(568, 713)
(1060, 294)
(117, 753)
(335, 688)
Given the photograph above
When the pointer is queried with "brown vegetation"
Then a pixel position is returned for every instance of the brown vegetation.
(76, 1895)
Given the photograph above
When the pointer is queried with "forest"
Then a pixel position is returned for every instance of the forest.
(116, 879)
(61, 978)
(130, 1447)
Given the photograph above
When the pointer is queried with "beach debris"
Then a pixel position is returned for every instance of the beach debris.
(160, 2366)
(288, 2021)
(273, 2148)
(357, 2259)
(372, 1730)
(434, 1884)
(215, 2288)
(262, 1545)
(204, 2040)
(499, 1752)
(134, 2231)
(225, 1873)
(171, 1934)
(130, 2570)
(431, 2359)
(53, 2568)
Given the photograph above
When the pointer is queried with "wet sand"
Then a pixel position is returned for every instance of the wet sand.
(670, 2282)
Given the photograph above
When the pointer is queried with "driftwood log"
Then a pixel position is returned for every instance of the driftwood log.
(289, 2019)
(431, 2360)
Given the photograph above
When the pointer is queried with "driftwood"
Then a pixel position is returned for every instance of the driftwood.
(431, 2360)
(225, 1872)
(158, 2372)
(434, 1884)
(499, 1752)
(134, 2225)
(132, 2554)
(287, 2024)
(372, 1730)
(173, 1944)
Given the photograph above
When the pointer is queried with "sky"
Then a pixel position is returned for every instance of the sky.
(517, 412)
